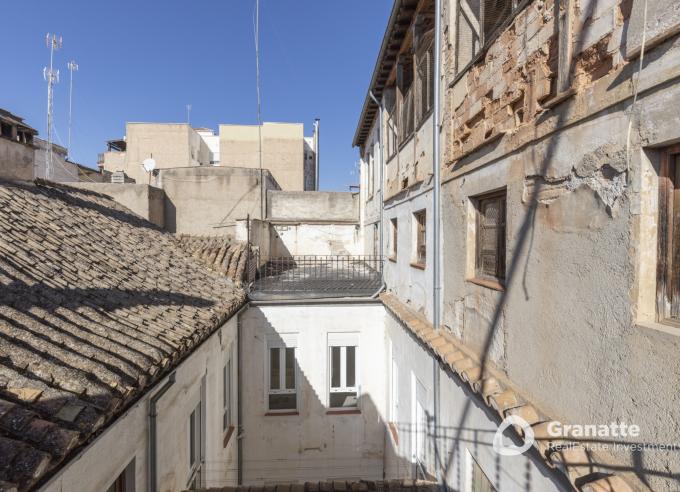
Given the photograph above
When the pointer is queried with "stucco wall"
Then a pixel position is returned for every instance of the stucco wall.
(209, 200)
(16, 160)
(466, 426)
(291, 239)
(313, 206)
(144, 200)
(98, 465)
(282, 150)
(313, 445)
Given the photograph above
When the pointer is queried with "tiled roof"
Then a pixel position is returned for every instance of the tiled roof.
(337, 486)
(572, 459)
(220, 254)
(96, 305)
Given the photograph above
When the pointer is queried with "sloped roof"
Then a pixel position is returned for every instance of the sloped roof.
(96, 305)
(572, 459)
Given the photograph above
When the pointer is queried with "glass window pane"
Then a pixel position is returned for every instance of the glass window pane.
(335, 367)
(290, 368)
(192, 438)
(274, 369)
(350, 367)
(343, 400)
(282, 402)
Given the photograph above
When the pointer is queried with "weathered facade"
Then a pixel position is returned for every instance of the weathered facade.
(16, 147)
(559, 139)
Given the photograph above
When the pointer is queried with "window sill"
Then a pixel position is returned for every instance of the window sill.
(353, 411)
(419, 266)
(282, 413)
(490, 284)
(227, 436)
(393, 259)
(406, 140)
(669, 328)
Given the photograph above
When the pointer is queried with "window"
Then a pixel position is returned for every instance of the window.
(478, 22)
(419, 428)
(226, 395)
(668, 277)
(370, 169)
(425, 80)
(394, 391)
(343, 351)
(419, 220)
(490, 237)
(393, 236)
(405, 86)
(195, 448)
(376, 236)
(125, 482)
(282, 389)
(477, 481)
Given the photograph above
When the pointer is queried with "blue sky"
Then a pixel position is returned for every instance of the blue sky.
(144, 60)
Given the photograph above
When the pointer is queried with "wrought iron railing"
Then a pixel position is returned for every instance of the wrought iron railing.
(318, 277)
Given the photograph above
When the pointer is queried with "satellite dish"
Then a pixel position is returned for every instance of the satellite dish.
(149, 165)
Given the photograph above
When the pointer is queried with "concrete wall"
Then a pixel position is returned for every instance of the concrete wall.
(282, 151)
(313, 206)
(313, 445)
(16, 160)
(144, 200)
(209, 200)
(170, 144)
(98, 465)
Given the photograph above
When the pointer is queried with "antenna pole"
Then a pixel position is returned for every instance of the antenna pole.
(188, 114)
(72, 67)
(52, 77)
(259, 103)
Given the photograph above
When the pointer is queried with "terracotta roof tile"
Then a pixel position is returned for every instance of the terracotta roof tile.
(496, 392)
(96, 304)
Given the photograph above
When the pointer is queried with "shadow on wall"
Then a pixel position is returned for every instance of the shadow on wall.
(592, 466)
(313, 442)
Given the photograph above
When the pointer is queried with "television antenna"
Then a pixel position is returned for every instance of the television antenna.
(72, 67)
(52, 77)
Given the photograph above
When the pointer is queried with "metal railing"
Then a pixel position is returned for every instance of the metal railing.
(317, 276)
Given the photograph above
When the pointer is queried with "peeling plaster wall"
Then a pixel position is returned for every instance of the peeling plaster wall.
(575, 327)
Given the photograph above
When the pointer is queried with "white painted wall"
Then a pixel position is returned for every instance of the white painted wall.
(466, 426)
(314, 239)
(313, 445)
(98, 465)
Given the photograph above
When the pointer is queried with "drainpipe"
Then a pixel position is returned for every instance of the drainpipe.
(316, 154)
(153, 413)
(436, 206)
(380, 151)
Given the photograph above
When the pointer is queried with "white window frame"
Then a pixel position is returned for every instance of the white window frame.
(419, 424)
(227, 391)
(195, 446)
(394, 386)
(281, 342)
(344, 340)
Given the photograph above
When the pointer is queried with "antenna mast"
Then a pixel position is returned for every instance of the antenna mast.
(72, 67)
(52, 77)
(259, 104)
(188, 114)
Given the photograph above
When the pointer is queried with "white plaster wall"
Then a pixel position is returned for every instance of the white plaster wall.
(413, 285)
(465, 426)
(314, 239)
(313, 445)
(98, 465)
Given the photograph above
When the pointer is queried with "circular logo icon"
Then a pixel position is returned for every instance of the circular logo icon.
(510, 449)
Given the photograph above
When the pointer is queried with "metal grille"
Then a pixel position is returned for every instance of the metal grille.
(309, 277)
